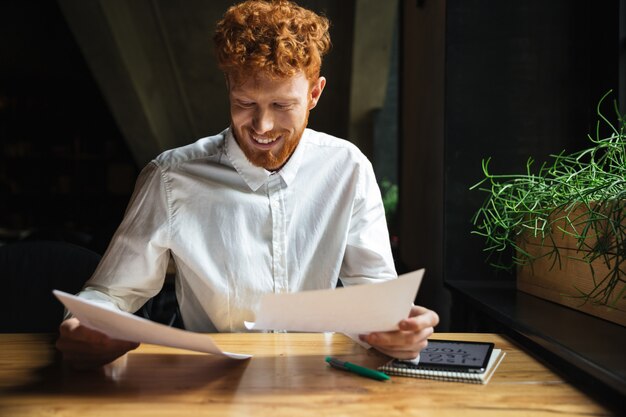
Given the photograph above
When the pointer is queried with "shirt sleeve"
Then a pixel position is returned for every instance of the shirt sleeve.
(133, 267)
(368, 255)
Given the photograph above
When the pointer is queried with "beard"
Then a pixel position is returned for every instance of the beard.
(271, 159)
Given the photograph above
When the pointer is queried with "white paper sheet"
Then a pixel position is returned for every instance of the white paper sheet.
(353, 310)
(125, 326)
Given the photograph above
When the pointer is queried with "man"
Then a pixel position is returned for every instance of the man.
(265, 206)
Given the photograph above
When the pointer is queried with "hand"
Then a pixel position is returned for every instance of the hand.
(84, 348)
(409, 341)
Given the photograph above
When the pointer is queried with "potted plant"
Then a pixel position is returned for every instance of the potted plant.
(565, 224)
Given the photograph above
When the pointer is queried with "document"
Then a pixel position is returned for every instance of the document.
(125, 326)
(353, 310)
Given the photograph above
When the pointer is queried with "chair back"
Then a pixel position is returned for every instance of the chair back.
(29, 271)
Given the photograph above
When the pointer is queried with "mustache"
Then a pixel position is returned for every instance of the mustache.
(272, 134)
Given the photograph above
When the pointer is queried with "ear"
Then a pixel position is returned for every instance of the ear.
(316, 91)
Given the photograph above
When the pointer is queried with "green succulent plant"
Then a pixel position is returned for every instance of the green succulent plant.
(581, 195)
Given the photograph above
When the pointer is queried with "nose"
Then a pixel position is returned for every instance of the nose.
(263, 121)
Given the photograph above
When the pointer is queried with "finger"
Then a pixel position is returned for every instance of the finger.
(83, 356)
(409, 351)
(399, 339)
(71, 329)
(74, 330)
(426, 318)
(68, 326)
(417, 310)
(84, 348)
(403, 353)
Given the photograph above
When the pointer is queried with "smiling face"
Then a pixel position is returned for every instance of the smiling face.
(269, 116)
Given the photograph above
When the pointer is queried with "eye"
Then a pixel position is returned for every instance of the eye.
(282, 106)
(245, 104)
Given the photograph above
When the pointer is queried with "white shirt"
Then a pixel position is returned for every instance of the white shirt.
(237, 231)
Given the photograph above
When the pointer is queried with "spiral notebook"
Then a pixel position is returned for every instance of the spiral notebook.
(403, 368)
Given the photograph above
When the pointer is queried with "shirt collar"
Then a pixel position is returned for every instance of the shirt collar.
(255, 176)
(289, 171)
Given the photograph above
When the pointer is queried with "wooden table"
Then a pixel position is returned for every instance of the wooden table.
(286, 377)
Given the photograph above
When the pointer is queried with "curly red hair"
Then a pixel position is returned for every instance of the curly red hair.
(278, 38)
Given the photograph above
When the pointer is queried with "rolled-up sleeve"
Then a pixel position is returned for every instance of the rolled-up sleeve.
(368, 256)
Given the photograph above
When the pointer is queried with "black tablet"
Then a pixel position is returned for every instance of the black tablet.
(454, 355)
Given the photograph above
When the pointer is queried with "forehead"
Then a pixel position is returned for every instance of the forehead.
(263, 85)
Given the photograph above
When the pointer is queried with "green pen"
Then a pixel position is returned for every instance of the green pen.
(359, 370)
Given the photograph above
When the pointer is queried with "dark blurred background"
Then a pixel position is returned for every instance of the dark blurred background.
(90, 90)
(65, 169)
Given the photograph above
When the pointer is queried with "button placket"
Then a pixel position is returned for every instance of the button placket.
(279, 263)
